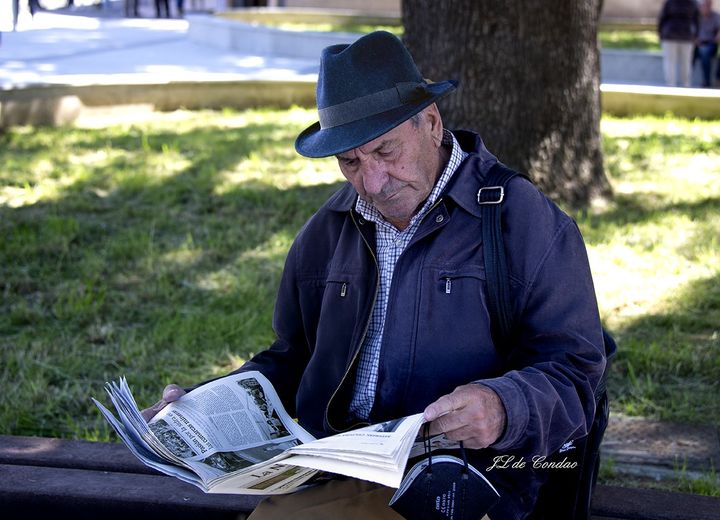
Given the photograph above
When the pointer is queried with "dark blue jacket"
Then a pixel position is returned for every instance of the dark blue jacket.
(679, 20)
(437, 329)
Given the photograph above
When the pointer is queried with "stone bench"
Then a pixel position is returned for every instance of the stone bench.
(82, 479)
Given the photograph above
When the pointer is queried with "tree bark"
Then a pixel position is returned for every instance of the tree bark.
(529, 83)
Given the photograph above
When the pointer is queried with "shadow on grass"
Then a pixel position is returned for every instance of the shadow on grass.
(644, 208)
(128, 219)
(668, 363)
(164, 277)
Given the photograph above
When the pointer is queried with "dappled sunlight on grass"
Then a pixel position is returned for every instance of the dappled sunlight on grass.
(292, 171)
(247, 269)
(671, 206)
(630, 282)
(155, 247)
(646, 40)
(186, 256)
(232, 362)
(223, 280)
(656, 263)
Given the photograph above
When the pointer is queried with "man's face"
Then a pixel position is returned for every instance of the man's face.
(397, 171)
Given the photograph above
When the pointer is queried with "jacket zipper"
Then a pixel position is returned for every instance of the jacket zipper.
(367, 323)
(362, 338)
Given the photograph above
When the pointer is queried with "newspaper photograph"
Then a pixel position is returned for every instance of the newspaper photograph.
(227, 426)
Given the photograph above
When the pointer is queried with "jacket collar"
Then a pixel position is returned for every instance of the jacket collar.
(343, 200)
(464, 185)
(462, 188)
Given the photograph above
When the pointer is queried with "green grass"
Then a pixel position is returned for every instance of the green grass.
(338, 27)
(154, 250)
(656, 260)
(628, 39)
(645, 39)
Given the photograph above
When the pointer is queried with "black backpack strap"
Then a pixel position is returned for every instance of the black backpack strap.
(490, 198)
(567, 494)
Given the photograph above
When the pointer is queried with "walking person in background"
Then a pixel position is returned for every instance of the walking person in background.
(678, 27)
(15, 13)
(707, 41)
(162, 6)
(132, 9)
(33, 6)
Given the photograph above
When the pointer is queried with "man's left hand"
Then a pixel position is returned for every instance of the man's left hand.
(472, 413)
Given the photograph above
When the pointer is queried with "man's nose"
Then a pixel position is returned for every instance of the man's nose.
(374, 177)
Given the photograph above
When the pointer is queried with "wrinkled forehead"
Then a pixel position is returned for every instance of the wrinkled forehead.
(390, 139)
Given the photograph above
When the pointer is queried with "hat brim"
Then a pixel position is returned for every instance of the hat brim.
(317, 142)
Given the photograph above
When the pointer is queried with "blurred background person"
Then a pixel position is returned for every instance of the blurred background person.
(132, 8)
(707, 41)
(678, 26)
(162, 9)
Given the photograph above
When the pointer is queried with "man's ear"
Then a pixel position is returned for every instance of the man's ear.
(432, 115)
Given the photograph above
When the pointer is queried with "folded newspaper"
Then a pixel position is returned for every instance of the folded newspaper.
(233, 435)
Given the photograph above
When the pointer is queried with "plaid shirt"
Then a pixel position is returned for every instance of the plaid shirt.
(390, 243)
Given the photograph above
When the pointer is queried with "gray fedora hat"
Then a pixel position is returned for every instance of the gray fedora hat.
(364, 90)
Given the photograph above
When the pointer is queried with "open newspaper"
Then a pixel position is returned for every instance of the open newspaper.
(233, 435)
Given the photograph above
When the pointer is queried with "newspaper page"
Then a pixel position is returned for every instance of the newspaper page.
(230, 427)
(377, 453)
(232, 435)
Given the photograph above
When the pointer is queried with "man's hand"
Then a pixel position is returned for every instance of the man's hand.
(170, 394)
(472, 413)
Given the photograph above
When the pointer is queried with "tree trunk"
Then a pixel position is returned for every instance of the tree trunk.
(529, 83)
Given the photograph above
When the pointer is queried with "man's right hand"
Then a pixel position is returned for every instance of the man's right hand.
(170, 394)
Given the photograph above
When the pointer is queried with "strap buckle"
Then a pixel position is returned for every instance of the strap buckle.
(491, 198)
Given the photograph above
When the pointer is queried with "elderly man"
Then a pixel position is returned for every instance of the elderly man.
(382, 308)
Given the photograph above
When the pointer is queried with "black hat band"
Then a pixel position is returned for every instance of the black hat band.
(372, 104)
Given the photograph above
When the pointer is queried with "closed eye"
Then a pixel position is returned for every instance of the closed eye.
(347, 161)
(386, 151)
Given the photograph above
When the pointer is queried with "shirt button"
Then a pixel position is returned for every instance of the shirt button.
(439, 219)
(361, 221)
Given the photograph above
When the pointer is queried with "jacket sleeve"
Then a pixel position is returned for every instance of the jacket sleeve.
(556, 357)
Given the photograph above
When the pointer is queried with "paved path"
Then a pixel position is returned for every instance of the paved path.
(100, 46)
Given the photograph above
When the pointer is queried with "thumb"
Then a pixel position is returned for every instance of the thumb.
(442, 406)
(172, 393)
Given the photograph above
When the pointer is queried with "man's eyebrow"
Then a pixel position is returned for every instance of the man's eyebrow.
(380, 146)
(384, 144)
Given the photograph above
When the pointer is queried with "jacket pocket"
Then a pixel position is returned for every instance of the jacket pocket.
(453, 327)
(341, 305)
(337, 285)
(470, 278)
